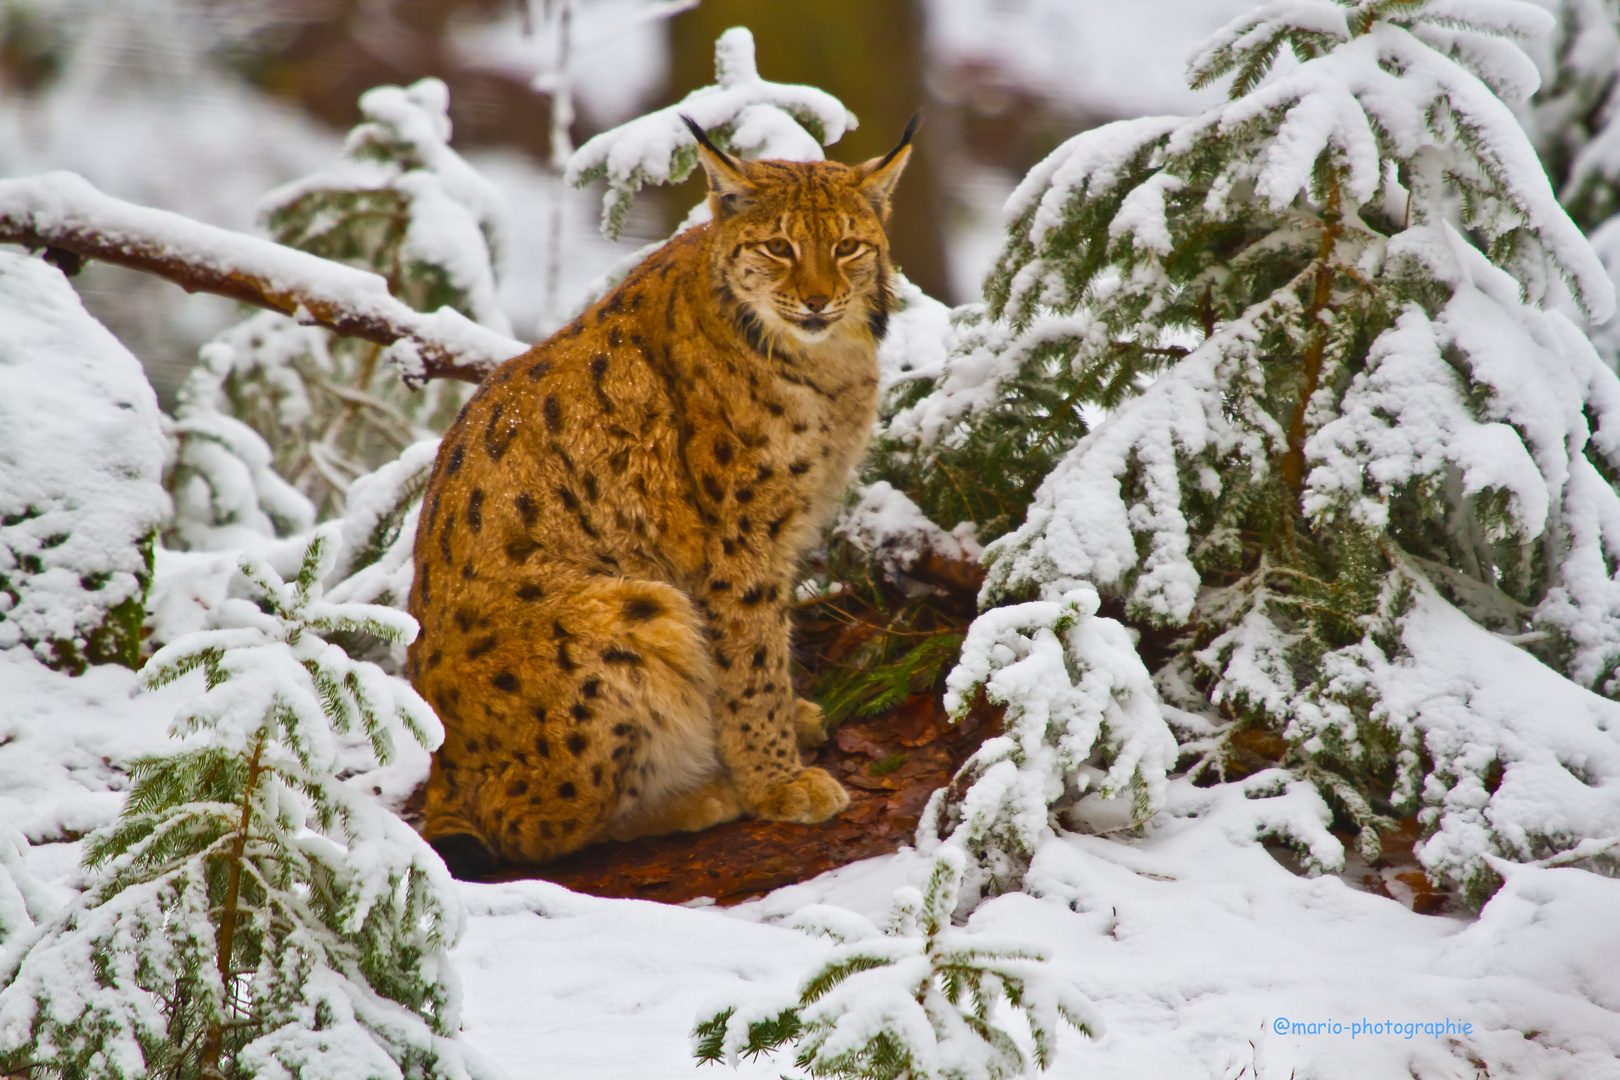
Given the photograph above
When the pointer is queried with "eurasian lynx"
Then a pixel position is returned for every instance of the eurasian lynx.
(606, 555)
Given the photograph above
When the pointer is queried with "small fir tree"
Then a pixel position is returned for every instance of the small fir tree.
(1080, 708)
(227, 493)
(403, 205)
(1337, 411)
(251, 915)
(914, 1001)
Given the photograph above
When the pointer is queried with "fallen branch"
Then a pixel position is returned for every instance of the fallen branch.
(62, 213)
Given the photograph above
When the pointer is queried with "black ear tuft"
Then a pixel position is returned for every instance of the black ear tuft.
(703, 139)
(878, 176)
(905, 139)
(728, 178)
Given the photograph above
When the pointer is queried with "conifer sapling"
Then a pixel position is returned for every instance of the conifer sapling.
(1339, 421)
(402, 204)
(250, 914)
(1080, 708)
(915, 1000)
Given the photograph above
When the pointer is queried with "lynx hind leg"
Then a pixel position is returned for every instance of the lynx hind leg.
(595, 703)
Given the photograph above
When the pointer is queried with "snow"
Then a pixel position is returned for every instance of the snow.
(455, 215)
(1410, 418)
(227, 493)
(980, 358)
(380, 524)
(915, 345)
(1474, 703)
(66, 744)
(617, 57)
(919, 991)
(1073, 687)
(1079, 528)
(81, 454)
(742, 111)
(889, 528)
(1606, 334)
(1189, 942)
(1375, 95)
(64, 204)
(140, 107)
(1099, 58)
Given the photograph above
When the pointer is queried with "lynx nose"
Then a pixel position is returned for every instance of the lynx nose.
(815, 303)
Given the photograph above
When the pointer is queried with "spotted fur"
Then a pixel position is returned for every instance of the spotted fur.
(604, 584)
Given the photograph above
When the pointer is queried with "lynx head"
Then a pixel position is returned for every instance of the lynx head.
(799, 254)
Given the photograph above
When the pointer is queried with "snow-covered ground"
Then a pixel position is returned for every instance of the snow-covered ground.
(1194, 942)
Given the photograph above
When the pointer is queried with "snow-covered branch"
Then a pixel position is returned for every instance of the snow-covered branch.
(62, 210)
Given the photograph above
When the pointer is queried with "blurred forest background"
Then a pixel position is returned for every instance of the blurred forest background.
(203, 106)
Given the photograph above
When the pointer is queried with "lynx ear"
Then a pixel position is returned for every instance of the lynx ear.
(876, 178)
(729, 187)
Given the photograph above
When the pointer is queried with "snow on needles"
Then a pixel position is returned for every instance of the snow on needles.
(1080, 528)
(1074, 687)
(1524, 761)
(1551, 427)
(889, 528)
(1390, 92)
(747, 114)
(453, 215)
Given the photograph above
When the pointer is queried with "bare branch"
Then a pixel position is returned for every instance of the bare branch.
(63, 213)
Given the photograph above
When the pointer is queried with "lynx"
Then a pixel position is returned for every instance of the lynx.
(607, 549)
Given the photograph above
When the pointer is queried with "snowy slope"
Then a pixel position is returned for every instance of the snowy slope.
(1191, 945)
(1192, 942)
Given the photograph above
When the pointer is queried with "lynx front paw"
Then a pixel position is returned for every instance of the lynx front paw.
(811, 797)
(809, 725)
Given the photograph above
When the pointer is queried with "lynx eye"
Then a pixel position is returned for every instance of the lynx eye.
(780, 248)
(846, 247)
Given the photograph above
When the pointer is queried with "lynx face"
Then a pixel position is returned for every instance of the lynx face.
(802, 253)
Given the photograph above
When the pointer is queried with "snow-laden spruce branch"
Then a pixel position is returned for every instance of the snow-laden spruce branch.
(744, 113)
(1081, 714)
(63, 211)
